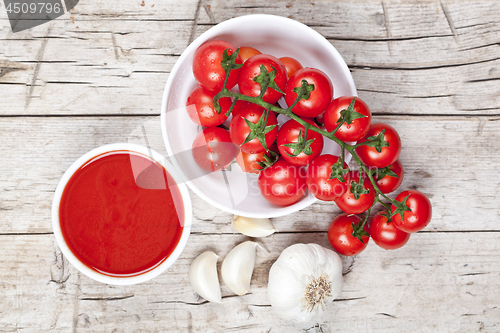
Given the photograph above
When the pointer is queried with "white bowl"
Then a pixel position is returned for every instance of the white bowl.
(122, 280)
(235, 191)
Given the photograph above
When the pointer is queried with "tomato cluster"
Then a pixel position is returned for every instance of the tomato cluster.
(285, 182)
(249, 85)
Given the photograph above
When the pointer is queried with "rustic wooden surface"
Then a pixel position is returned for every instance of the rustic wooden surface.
(94, 76)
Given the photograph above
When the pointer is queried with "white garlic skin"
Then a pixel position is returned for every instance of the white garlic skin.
(203, 276)
(237, 267)
(291, 274)
(253, 227)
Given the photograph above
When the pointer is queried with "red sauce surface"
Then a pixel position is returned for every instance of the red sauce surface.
(118, 214)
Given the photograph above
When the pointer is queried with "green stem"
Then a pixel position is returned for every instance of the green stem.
(305, 139)
(337, 128)
(232, 107)
(374, 183)
(386, 206)
(263, 91)
(268, 111)
(286, 112)
(294, 103)
(343, 155)
(367, 215)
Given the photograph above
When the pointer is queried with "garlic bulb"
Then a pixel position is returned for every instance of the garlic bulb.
(237, 267)
(303, 280)
(253, 227)
(203, 276)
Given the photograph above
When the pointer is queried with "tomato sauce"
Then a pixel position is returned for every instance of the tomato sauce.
(121, 214)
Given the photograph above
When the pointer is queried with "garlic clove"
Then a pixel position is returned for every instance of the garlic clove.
(203, 276)
(253, 227)
(237, 267)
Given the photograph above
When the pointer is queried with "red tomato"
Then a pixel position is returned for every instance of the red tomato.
(341, 238)
(386, 235)
(247, 52)
(213, 149)
(320, 97)
(282, 184)
(250, 162)
(237, 107)
(251, 69)
(207, 69)
(388, 155)
(200, 107)
(239, 129)
(349, 204)
(359, 126)
(289, 134)
(291, 65)
(318, 178)
(387, 183)
(420, 214)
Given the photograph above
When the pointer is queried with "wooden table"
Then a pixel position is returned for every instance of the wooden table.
(96, 75)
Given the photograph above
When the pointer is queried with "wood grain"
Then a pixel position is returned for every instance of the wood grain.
(405, 58)
(45, 293)
(444, 157)
(442, 57)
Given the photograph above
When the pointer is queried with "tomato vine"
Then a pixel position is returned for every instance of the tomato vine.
(266, 79)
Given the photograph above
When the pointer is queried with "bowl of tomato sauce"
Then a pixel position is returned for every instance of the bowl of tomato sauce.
(231, 189)
(121, 214)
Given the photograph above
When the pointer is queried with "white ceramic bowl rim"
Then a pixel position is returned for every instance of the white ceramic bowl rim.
(118, 280)
(211, 34)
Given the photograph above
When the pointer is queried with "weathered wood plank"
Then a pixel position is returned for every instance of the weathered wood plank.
(344, 19)
(101, 67)
(437, 279)
(389, 33)
(130, 10)
(34, 295)
(419, 57)
(96, 41)
(389, 20)
(422, 57)
(413, 58)
(454, 160)
(136, 10)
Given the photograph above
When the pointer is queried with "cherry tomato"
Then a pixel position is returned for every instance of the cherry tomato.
(318, 178)
(239, 129)
(250, 162)
(251, 69)
(320, 97)
(200, 107)
(388, 155)
(420, 214)
(341, 238)
(359, 126)
(388, 183)
(289, 134)
(349, 204)
(291, 65)
(247, 52)
(213, 149)
(282, 184)
(207, 69)
(239, 104)
(386, 235)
